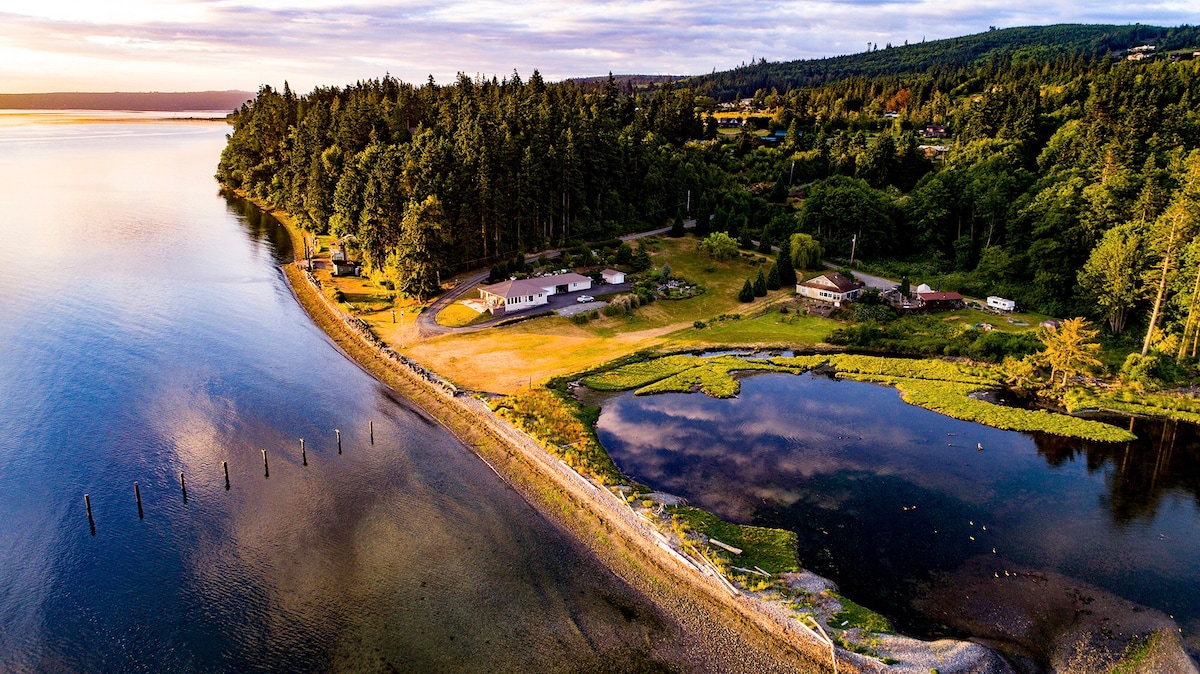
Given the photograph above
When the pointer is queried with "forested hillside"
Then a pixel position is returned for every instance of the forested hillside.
(472, 172)
(1027, 43)
(1070, 184)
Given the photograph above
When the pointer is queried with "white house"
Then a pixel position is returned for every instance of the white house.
(517, 295)
(1001, 304)
(612, 276)
(830, 287)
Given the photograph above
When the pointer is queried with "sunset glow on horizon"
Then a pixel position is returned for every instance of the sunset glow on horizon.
(182, 45)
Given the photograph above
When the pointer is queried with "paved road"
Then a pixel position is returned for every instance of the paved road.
(871, 281)
(427, 326)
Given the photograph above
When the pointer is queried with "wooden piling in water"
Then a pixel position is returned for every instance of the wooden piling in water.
(87, 502)
(225, 467)
(266, 468)
(303, 453)
(137, 494)
(183, 487)
(372, 432)
(339, 439)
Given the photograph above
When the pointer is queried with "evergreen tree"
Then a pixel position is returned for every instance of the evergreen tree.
(764, 244)
(787, 272)
(760, 284)
(418, 258)
(747, 292)
(677, 229)
(773, 280)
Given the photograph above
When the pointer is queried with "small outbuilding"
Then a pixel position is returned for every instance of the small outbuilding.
(612, 276)
(344, 267)
(940, 301)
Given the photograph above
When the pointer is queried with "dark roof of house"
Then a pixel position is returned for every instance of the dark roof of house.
(940, 297)
(835, 280)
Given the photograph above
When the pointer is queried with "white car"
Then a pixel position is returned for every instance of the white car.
(585, 298)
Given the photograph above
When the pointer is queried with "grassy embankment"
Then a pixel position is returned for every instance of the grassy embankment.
(940, 386)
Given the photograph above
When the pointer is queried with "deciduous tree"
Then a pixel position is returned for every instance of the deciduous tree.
(1071, 349)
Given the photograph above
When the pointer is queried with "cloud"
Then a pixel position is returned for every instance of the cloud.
(190, 44)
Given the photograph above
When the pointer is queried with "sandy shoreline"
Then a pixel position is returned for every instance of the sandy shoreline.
(765, 637)
(734, 634)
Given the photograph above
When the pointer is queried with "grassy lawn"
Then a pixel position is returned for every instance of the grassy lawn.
(771, 329)
(459, 315)
(506, 359)
(999, 322)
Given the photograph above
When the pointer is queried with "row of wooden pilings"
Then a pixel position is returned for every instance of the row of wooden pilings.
(137, 491)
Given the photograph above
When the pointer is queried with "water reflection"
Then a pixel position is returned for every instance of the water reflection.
(1162, 463)
(147, 333)
(887, 497)
(262, 226)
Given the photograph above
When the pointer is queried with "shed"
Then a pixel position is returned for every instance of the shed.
(346, 268)
(940, 301)
(612, 276)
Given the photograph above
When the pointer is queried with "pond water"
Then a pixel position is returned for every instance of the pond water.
(899, 505)
(147, 331)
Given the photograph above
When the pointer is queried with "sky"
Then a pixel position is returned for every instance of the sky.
(190, 45)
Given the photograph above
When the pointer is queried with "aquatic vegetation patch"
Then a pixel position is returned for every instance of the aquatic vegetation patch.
(711, 376)
(854, 615)
(914, 368)
(1178, 407)
(639, 374)
(772, 550)
(953, 399)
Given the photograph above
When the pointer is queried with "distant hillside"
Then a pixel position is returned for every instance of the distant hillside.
(164, 101)
(1042, 43)
(623, 80)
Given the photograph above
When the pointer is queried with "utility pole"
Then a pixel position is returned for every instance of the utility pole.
(792, 173)
(853, 246)
(689, 202)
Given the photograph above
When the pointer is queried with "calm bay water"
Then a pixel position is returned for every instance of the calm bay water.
(146, 331)
(901, 508)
